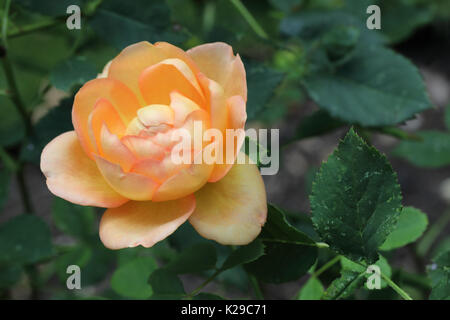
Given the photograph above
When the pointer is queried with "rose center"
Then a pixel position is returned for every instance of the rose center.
(151, 119)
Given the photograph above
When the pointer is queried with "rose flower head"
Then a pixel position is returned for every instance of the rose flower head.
(128, 123)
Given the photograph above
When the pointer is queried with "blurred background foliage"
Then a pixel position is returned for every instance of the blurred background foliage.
(297, 53)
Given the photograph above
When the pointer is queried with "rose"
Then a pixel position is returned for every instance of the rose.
(119, 156)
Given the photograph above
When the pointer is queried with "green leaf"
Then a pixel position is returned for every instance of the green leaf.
(10, 275)
(289, 253)
(78, 255)
(439, 274)
(244, 254)
(317, 123)
(207, 296)
(261, 83)
(58, 120)
(12, 129)
(199, 257)
(400, 18)
(120, 24)
(433, 151)
(410, 226)
(72, 72)
(99, 264)
(376, 87)
(447, 117)
(25, 239)
(5, 177)
(131, 279)
(355, 200)
(344, 286)
(73, 219)
(312, 290)
(49, 8)
(311, 25)
(285, 5)
(165, 284)
(385, 268)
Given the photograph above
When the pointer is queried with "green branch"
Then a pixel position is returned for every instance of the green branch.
(250, 19)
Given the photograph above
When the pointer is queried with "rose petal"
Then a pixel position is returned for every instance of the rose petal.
(123, 100)
(186, 181)
(129, 64)
(158, 170)
(217, 103)
(233, 210)
(236, 120)
(143, 147)
(73, 176)
(217, 62)
(171, 51)
(158, 81)
(182, 107)
(143, 223)
(156, 114)
(129, 184)
(104, 113)
(114, 150)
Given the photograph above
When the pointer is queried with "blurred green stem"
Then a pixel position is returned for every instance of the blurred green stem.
(402, 293)
(255, 285)
(9, 73)
(431, 235)
(326, 266)
(24, 191)
(250, 19)
(396, 288)
(200, 287)
(8, 160)
(399, 133)
(42, 25)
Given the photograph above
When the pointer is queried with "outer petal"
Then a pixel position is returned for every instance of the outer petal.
(115, 92)
(129, 64)
(143, 223)
(236, 120)
(73, 176)
(171, 51)
(233, 210)
(129, 184)
(217, 62)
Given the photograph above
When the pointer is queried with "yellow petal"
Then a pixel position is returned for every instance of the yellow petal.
(156, 114)
(158, 81)
(233, 210)
(104, 113)
(236, 120)
(217, 103)
(129, 64)
(73, 176)
(114, 150)
(143, 147)
(123, 100)
(143, 222)
(171, 51)
(129, 184)
(186, 181)
(182, 107)
(217, 62)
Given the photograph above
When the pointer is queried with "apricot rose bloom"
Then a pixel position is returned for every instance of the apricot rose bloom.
(119, 155)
